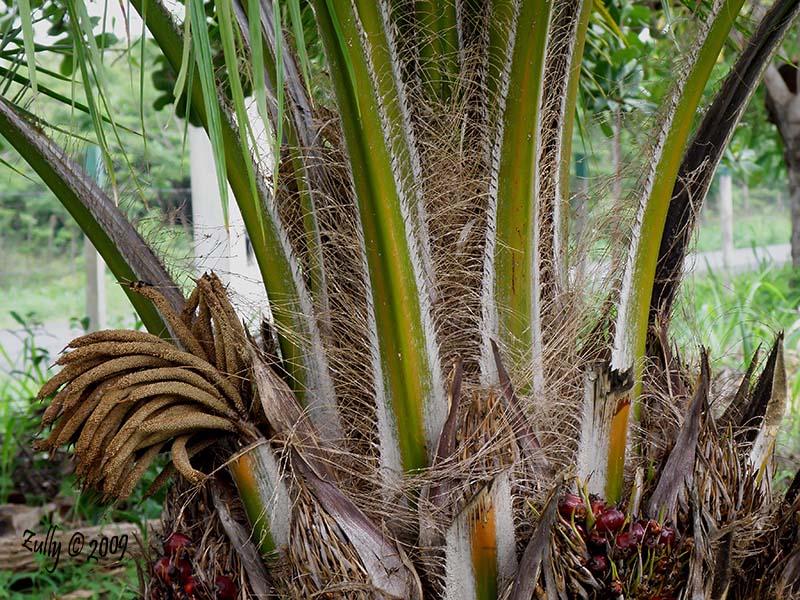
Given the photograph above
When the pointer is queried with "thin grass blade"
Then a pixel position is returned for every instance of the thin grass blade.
(25, 16)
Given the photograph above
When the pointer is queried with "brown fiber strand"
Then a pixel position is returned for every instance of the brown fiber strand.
(224, 345)
(219, 348)
(116, 335)
(124, 394)
(222, 297)
(163, 425)
(151, 439)
(55, 432)
(168, 471)
(203, 331)
(103, 371)
(234, 325)
(182, 390)
(171, 374)
(82, 412)
(178, 423)
(66, 374)
(106, 431)
(108, 480)
(189, 307)
(115, 464)
(161, 479)
(109, 419)
(134, 423)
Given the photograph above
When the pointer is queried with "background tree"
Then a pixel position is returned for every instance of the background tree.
(783, 108)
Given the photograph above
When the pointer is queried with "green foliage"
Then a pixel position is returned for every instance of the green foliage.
(34, 222)
(20, 414)
(614, 63)
(766, 224)
(733, 316)
(18, 388)
(386, 144)
(755, 153)
(41, 585)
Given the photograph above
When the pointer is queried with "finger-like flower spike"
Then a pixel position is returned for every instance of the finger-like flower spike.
(123, 397)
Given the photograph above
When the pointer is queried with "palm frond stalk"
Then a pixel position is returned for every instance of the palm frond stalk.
(414, 224)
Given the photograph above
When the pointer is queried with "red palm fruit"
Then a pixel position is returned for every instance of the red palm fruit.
(596, 540)
(225, 588)
(597, 564)
(610, 520)
(184, 569)
(626, 541)
(571, 506)
(651, 541)
(637, 529)
(175, 542)
(581, 530)
(667, 536)
(597, 504)
(162, 569)
(189, 587)
(615, 587)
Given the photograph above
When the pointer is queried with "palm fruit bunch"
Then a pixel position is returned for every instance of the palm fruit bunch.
(619, 554)
(699, 515)
(174, 575)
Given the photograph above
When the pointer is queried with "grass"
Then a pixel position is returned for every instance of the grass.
(20, 379)
(72, 580)
(769, 226)
(52, 288)
(732, 317)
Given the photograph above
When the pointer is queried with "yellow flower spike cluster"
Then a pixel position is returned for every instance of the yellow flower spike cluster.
(123, 397)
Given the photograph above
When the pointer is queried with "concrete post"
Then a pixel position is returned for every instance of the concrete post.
(94, 265)
(225, 252)
(726, 216)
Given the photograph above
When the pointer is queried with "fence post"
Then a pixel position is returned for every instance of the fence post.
(726, 216)
(95, 266)
(224, 251)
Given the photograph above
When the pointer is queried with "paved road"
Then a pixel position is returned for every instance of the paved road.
(52, 336)
(743, 259)
(55, 334)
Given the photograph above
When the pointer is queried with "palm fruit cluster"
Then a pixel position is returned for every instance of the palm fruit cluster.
(124, 397)
(174, 576)
(618, 554)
